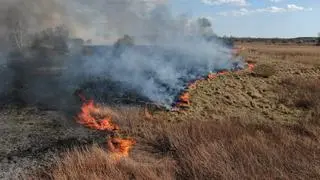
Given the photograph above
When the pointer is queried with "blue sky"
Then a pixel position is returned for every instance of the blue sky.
(256, 18)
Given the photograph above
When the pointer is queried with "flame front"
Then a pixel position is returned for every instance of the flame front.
(184, 98)
(88, 117)
(93, 117)
(120, 146)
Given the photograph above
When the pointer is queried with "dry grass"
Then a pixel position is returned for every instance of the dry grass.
(302, 93)
(292, 53)
(264, 70)
(238, 146)
(231, 149)
(95, 163)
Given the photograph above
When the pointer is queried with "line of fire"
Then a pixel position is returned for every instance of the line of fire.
(98, 118)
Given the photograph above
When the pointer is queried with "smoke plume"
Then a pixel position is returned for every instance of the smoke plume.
(169, 50)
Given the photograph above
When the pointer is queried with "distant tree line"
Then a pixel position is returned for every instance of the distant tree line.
(30, 51)
(298, 40)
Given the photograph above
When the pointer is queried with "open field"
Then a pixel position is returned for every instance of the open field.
(263, 124)
(305, 54)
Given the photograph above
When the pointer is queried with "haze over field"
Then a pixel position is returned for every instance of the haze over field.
(152, 89)
(179, 49)
(266, 18)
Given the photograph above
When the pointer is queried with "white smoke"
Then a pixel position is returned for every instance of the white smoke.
(176, 51)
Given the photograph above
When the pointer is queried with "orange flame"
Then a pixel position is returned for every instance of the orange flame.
(184, 101)
(192, 85)
(222, 73)
(86, 117)
(212, 76)
(90, 117)
(185, 97)
(250, 67)
(119, 146)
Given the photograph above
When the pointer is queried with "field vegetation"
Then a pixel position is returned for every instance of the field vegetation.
(239, 126)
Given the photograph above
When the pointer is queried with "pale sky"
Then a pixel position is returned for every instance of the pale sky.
(255, 18)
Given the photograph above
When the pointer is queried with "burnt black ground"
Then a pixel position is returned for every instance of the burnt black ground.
(30, 138)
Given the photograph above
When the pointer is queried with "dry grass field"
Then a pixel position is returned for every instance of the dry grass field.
(306, 54)
(263, 124)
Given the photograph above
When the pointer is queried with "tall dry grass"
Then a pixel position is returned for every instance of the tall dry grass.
(96, 163)
(309, 55)
(240, 148)
(232, 149)
(304, 94)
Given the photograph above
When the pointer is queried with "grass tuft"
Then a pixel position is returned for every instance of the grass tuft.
(264, 70)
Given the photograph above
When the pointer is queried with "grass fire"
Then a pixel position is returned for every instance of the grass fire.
(97, 118)
(183, 101)
(157, 89)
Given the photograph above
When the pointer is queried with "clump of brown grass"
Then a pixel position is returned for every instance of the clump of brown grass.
(264, 70)
(304, 94)
(251, 61)
(232, 149)
(96, 163)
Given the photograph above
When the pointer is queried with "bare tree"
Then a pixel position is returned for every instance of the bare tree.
(17, 28)
(51, 41)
